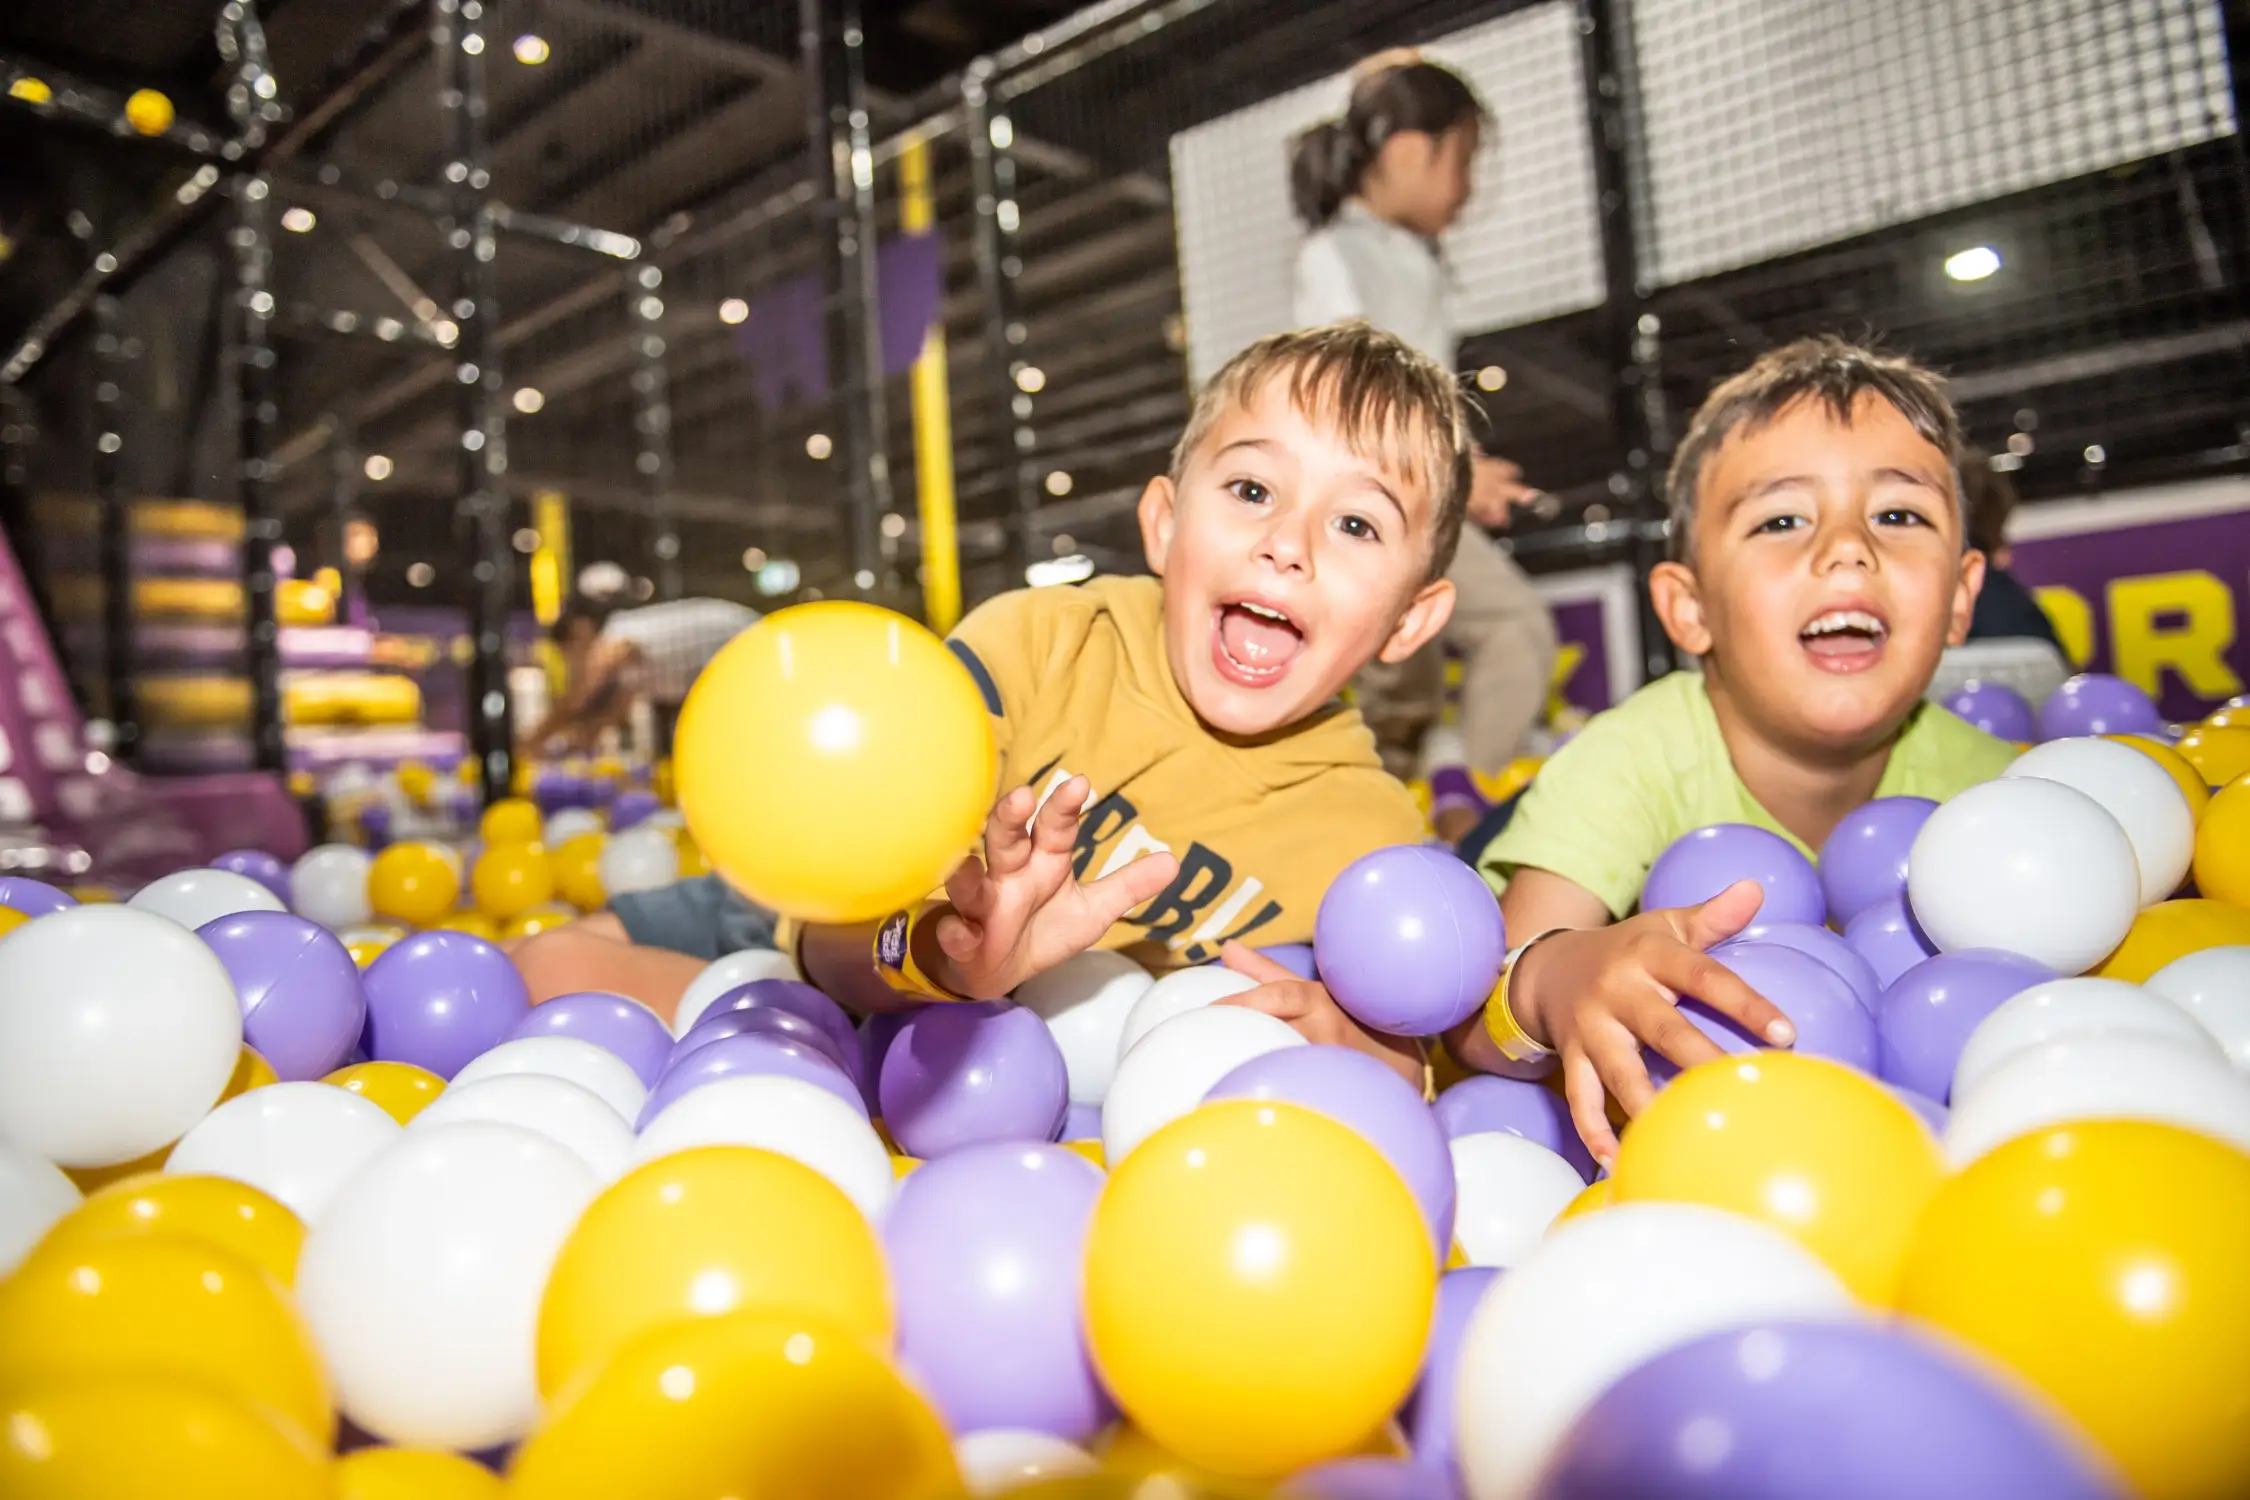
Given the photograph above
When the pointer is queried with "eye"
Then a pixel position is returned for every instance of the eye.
(1357, 527)
(1249, 490)
(1900, 515)
(1776, 525)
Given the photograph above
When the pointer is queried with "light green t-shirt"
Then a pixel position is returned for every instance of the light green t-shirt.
(1656, 767)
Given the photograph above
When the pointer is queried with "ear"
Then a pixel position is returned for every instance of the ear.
(1158, 515)
(1425, 615)
(1678, 600)
(1965, 591)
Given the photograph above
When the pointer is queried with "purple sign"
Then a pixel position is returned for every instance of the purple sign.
(786, 344)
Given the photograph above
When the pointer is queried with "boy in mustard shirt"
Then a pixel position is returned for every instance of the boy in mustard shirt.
(1177, 778)
(1819, 568)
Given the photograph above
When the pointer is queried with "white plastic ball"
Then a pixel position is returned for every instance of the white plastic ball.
(422, 1284)
(296, 1142)
(596, 1069)
(562, 1111)
(2074, 1008)
(328, 885)
(2026, 866)
(665, 817)
(119, 1029)
(788, 1116)
(33, 1194)
(569, 823)
(1177, 1064)
(1175, 994)
(2213, 986)
(998, 1459)
(2133, 789)
(1601, 1295)
(1084, 1000)
(194, 897)
(2101, 1078)
(639, 859)
(1506, 1191)
(725, 973)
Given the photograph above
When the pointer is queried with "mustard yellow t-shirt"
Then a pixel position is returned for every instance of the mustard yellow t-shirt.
(1079, 685)
(1656, 766)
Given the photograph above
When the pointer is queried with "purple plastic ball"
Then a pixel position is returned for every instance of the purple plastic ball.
(1368, 1477)
(1083, 1122)
(1927, 1014)
(987, 1253)
(1429, 1415)
(259, 866)
(2097, 703)
(438, 999)
(1363, 1094)
(1995, 708)
(625, 1027)
(1889, 938)
(375, 826)
(1864, 859)
(1297, 958)
(750, 1052)
(1933, 1113)
(34, 898)
(1829, 1019)
(797, 998)
(1706, 861)
(876, 1034)
(1517, 1107)
(762, 1020)
(1409, 940)
(969, 1073)
(302, 1008)
(1828, 947)
(630, 808)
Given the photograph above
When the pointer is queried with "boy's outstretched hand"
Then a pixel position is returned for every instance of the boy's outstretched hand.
(1597, 996)
(1019, 911)
(1306, 1005)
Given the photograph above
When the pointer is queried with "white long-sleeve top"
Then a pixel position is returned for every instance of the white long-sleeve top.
(1360, 266)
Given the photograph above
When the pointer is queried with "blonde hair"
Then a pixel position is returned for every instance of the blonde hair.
(1389, 403)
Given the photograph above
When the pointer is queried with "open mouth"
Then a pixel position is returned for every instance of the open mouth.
(1254, 643)
(1845, 640)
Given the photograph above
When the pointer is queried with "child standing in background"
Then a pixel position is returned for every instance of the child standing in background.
(1377, 187)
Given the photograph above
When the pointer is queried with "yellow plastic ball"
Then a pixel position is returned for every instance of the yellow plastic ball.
(577, 863)
(1258, 1288)
(91, 1439)
(1593, 1198)
(416, 782)
(1826, 1155)
(216, 1211)
(2187, 777)
(413, 1474)
(31, 90)
(692, 861)
(2174, 929)
(741, 1405)
(511, 820)
(835, 762)
(2222, 846)
(2233, 714)
(2103, 1262)
(537, 920)
(400, 1090)
(2219, 755)
(903, 1167)
(148, 112)
(693, 1235)
(660, 782)
(510, 879)
(11, 919)
(475, 923)
(366, 947)
(171, 1308)
(413, 883)
(251, 1071)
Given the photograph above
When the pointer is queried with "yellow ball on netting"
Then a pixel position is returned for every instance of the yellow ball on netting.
(149, 112)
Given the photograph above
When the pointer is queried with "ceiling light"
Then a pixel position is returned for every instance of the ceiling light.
(529, 399)
(445, 331)
(526, 540)
(298, 220)
(1031, 379)
(734, 310)
(864, 578)
(420, 575)
(894, 525)
(531, 49)
(818, 446)
(2096, 454)
(753, 558)
(777, 577)
(1972, 264)
(377, 467)
(1058, 483)
(1491, 378)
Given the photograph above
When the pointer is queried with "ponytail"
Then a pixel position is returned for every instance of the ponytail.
(1390, 93)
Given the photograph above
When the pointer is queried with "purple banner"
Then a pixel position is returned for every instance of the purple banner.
(786, 345)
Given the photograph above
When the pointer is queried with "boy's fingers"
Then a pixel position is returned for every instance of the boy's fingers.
(968, 888)
(1617, 1060)
(1675, 1037)
(1722, 916)
(1114, 895)
(1056, 827)
(1686, 972)
(1251, 964)
(956, 937)
(1007, 842)
(1280, 1001)
(1582, 1087)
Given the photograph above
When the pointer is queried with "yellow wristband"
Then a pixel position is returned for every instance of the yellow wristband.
(895, 963)
(1500, 1023)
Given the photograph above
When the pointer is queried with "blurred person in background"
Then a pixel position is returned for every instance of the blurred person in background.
(2005, 609)
(613, 657)
(1376, 187)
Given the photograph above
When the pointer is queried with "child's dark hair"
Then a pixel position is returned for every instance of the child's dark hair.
(1990, 498)
(1327, 161)
(1824, 368)
(594, 612)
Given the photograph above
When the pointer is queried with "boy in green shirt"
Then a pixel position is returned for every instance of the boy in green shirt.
(1818, 568)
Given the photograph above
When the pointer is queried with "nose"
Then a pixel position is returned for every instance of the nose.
(1844, 543)
(1285, 543)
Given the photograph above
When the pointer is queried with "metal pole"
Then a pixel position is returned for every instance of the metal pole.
(114, 537)
(458, 35)
(652, 425)
(992, 170)
(1633, 335)
(343, 500)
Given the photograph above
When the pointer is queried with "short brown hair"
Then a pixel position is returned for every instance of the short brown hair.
(1825, 368)
(1388, 401)
(1989, 497)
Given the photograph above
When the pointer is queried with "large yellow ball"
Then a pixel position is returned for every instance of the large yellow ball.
(2186, 777)
(148, 112)
(2174, 929)
(835, 762)
(741, 1405)
(577, 863)
(699, 1234)
(511, 820)
(2103, 1262)
(2222, 846)
(412, 883)
(162, 1307)
(399, 1089)
(2220, 753)
(510, 879)
(1825, 1155)
(89, 1439)
(1258, 1288)
(216, 1211)
(413, 1474)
